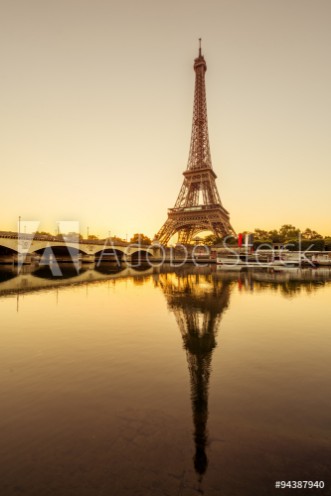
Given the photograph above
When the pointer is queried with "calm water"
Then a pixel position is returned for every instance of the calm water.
(180, 382)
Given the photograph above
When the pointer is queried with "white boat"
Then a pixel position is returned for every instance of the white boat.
(238, 261)
(321, 259)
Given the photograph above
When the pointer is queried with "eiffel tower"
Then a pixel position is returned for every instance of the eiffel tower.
(198, 206)
(198, 302)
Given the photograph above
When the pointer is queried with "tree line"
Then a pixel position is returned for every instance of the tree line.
(137, 238)
(286, 235)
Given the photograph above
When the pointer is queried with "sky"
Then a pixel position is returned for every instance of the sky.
(97, 100)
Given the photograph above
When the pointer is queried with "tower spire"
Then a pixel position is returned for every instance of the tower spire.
(200, 150)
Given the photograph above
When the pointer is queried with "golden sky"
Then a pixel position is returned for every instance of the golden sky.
(97, 101)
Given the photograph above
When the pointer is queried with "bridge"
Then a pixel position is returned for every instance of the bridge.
(24, 248)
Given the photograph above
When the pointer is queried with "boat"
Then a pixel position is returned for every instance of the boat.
(240, 261)
(322, 259)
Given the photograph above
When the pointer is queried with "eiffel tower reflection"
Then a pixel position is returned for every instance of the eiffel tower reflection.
(198, 302)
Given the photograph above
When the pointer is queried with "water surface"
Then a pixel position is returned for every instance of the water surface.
(164, 382)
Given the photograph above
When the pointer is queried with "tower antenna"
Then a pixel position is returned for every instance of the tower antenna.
(199, 47)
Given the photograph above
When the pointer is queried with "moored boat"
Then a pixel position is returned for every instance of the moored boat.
(258, 260)
(322, 259)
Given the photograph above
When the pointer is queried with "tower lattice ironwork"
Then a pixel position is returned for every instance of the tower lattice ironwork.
(198, 206)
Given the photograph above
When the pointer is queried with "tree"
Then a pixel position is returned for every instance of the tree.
(140, 239)
(92, 236)
(310, 234)
(287, 232)
(261, 234)
(211, 239)
(42, 233)
(327, 243)
(275, 236)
